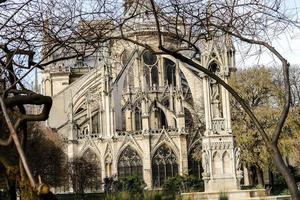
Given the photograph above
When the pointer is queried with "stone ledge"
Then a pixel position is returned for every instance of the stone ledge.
(232, 194)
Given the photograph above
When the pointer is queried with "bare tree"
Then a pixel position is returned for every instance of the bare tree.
(70, 31)
(82, 174)
(247, 21)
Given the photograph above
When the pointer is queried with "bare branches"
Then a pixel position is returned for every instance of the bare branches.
(15, 138)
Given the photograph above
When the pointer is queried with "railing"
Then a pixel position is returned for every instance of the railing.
(154, 88)
(123, 133)
(60, 68)
(218, 124)
(83, 135)
(146, 132)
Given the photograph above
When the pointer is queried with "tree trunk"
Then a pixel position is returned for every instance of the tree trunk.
(251, 176)
(289, 179)
(26, 190)
(12, 191)
(271, 178)
(260, 176)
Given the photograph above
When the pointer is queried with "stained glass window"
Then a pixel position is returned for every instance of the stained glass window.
(164, 165)
(150, 68)
(130, 164)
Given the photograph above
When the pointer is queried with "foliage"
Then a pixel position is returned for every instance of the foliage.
(285, 192)
(259, 89)
(44, 147)
(179, 184)
(82, 174)
(148, 195)
(259, 186)
(223, 196)
(152, 195)
(172, 186)
(132, 185)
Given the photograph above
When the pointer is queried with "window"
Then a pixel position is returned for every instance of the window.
(158, 118)
(95, 123)
(164, 165)
(154, 75)
(150, 68)
(130, 164)
(170, 69)
(138, 119)
(149, 57)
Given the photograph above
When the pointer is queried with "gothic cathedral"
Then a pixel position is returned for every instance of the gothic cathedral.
(133, 112)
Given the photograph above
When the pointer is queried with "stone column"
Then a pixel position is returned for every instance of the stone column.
(147, 161)
(246, 175)
(183, 155)
(221, 162)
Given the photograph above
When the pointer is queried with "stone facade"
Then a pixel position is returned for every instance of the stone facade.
(144, 114)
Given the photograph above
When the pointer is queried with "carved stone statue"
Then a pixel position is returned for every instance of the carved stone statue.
(205, 162)
(215, 99)
(237, 158)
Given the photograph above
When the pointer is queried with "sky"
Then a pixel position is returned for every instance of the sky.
(288, 44)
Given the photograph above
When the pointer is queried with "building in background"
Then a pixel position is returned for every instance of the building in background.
(134, 112)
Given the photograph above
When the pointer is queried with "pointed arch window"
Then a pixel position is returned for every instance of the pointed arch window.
(158, 118)
(130, 164)
(170, 72)
(164, 165)
(150, 68)
(138, 119)
(95, 123)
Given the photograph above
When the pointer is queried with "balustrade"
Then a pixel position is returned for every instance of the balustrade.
(218, 124)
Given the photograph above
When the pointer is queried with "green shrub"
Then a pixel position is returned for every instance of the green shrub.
(171, 187)
(134, 186)
(285, 192)
(223, 196)
(179, 184)
(152, 195)
(259, 186)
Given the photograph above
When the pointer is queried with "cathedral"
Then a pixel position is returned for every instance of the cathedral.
(133, 112)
